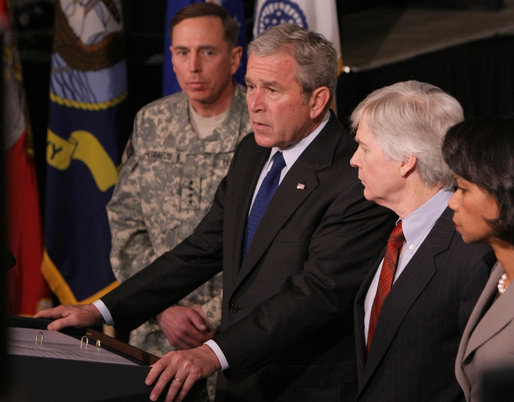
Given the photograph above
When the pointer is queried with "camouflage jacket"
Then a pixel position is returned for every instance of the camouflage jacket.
(165, 186)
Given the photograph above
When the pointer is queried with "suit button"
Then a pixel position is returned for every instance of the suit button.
(233, 308)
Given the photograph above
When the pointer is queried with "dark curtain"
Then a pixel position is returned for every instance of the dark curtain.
(479, 74)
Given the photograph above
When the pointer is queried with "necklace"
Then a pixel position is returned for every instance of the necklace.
(502, 285)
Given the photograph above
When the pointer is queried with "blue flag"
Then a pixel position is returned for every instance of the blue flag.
(88, 126)
(234, 8)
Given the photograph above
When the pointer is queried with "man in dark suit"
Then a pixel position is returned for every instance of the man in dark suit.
(287, 326)
(412, 308)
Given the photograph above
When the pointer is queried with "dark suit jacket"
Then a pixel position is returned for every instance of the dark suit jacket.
(422, 319)
(287, 309)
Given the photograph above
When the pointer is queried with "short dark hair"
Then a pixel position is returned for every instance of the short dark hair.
(481, 150)
(230, 25)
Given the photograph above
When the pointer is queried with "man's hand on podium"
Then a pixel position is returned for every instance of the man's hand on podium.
(65, 316)
(181, 369)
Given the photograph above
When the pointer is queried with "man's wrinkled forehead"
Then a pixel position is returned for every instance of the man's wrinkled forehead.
(192, 20)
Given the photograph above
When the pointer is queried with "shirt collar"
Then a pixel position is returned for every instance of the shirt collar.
(419, 223)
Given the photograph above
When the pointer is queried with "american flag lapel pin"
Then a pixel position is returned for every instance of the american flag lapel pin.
(300, 186)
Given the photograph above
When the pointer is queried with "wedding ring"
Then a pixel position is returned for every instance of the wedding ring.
(177, 380)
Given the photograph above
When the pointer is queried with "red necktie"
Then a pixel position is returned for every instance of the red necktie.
(394, 245)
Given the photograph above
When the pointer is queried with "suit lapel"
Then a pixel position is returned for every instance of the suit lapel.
(360, 298)
(289, 196)
(497, 316)
(405, 291)
(285, 201)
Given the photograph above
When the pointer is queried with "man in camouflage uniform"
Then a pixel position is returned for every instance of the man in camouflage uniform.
(180, 149)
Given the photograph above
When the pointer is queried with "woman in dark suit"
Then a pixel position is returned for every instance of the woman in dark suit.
(481, 153)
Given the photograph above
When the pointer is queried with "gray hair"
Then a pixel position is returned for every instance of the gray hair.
(316, 56)
(412, 118)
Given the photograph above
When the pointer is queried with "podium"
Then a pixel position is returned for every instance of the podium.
(79, 365)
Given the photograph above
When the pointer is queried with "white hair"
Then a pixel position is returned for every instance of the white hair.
(412, 118)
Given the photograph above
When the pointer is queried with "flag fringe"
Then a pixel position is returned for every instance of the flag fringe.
(87, 105)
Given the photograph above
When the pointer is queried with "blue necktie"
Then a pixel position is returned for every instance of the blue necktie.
(266, 191)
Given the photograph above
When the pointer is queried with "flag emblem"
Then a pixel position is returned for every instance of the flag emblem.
(276, 12)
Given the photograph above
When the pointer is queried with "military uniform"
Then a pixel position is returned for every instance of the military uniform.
(165, 186)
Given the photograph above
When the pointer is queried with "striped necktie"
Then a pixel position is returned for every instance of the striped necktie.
(393, 248)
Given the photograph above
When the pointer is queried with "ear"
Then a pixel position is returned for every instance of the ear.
(235, 59)
(408, 166)
(318, 101)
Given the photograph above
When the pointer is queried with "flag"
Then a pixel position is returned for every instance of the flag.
(87, 130)
(233, 7)
(27, 289)
(319, 16)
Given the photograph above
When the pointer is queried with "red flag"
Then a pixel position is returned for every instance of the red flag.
(27, 290)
